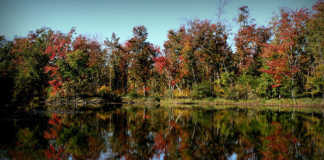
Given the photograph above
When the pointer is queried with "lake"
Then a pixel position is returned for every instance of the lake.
(130, 132)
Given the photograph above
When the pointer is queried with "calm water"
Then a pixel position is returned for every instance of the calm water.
(161, 133)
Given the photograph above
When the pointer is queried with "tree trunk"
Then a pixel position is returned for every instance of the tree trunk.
(144, 89)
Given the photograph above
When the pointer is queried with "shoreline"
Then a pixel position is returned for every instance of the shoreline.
(303, 105)
(302, 102)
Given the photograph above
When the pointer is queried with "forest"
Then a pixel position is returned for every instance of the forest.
(282, 59)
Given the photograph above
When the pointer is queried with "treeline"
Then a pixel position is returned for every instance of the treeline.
(283, 59)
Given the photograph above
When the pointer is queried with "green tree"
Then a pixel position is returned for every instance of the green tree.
(7, 71)
(31, 81)
(118, 64)
(142, 54)
(315, 38)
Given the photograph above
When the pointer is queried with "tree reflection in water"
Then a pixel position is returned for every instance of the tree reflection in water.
(161, 133)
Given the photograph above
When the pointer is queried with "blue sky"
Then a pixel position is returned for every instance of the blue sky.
(99, 18)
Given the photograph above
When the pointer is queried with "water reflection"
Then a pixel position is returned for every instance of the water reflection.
(160, 133)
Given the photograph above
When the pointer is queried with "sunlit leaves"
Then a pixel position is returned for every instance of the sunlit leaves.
(286, 55)
(73, 62)
(249, 42)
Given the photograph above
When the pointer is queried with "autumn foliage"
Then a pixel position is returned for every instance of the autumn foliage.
(282, 59)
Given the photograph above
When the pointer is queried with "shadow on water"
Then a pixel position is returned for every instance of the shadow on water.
(116, 132)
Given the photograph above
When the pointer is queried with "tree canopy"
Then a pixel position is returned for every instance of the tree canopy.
(282, 59)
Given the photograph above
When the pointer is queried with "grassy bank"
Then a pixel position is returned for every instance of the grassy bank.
(253, 102)
(301, 102)
(300, 105)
